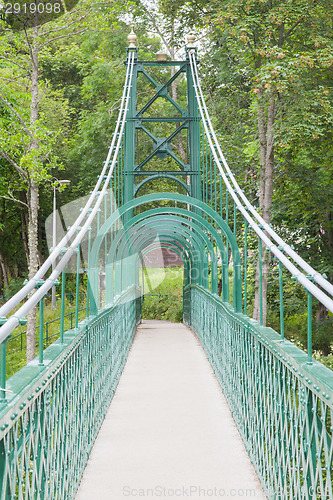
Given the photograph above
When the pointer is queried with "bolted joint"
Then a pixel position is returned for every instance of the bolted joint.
(22, 321)
(39, 283)
(55, 282)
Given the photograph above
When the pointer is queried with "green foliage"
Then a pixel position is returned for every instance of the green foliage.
(166, 301)
(16, 356)
(14, 286)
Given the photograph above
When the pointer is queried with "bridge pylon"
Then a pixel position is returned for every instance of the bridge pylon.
(141, 118)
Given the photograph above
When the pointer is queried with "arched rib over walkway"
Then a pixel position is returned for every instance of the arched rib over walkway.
(191, 218)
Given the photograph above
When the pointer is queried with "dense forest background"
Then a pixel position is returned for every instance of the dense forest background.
(266, 68)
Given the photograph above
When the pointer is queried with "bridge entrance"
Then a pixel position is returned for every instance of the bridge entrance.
(280, 396)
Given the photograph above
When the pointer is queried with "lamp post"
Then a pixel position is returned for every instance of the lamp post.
(56, 185)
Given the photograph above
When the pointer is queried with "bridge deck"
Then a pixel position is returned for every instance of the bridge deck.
(168, 432)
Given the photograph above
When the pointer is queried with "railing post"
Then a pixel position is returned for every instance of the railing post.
(309, 329)
(62, 312)
(245, 266)
(281, 301)
(3, 372)
(235, 218)
(41, 332)
(77, 286)
(88, 259)
(260, 282)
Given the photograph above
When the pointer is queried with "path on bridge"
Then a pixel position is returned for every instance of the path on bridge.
(168, 432)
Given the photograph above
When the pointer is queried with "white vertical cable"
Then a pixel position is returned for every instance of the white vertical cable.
(311, 287)
(19, 296)
(285, 247)
(13, 321)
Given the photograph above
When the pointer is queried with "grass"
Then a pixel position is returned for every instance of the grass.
(16, 346)
(163, 294)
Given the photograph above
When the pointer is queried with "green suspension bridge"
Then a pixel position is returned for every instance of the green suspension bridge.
(280, 397)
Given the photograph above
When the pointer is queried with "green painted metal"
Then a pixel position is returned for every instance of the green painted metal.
(147, 238)
(260, 282)
(281, 301)
(206, 225)
(283, 406)
(77, 286)
(196, 217)
(161, 175)
(50, 420)
(309, 333)
(62, 312)
(197, 204)
(41, 332)
(188, 119)
(3, 372)
(199, 271)
(245, 265)
(89, 249)
(281, 398)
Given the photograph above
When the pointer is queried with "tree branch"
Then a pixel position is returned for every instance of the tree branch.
(18, 116)
(62, 36)
(293, 27)
(13, 163)
(12, 61)
(152, 19)
(12, 198)
(13, 80)
(44, 33)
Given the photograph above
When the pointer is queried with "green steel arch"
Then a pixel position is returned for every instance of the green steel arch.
(162, 175)
(177, 240)
(188, 201)
(169, 228)
(212, 230)
(140, 240)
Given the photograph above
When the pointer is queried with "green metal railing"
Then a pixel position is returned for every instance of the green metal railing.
(281, 398)
(18, 342)
(282, 405)
(53, 412)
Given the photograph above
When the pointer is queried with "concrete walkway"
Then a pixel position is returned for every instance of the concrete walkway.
(168, 432)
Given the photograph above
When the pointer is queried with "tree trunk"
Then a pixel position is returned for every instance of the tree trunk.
(4, 270)
(266, 149)
(33, 200)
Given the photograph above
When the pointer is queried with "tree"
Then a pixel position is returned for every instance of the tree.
(284, 48)
(27, 141)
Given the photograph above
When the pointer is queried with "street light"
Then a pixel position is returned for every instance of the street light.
(56, 185)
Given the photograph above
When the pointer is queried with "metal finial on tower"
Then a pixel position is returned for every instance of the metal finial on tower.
(190, 40)
(132, 38)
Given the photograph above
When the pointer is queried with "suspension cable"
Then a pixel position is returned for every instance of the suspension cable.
(318, 278)
(311, 287)
(13, 321)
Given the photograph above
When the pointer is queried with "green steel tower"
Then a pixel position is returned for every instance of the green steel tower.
(188, 174)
